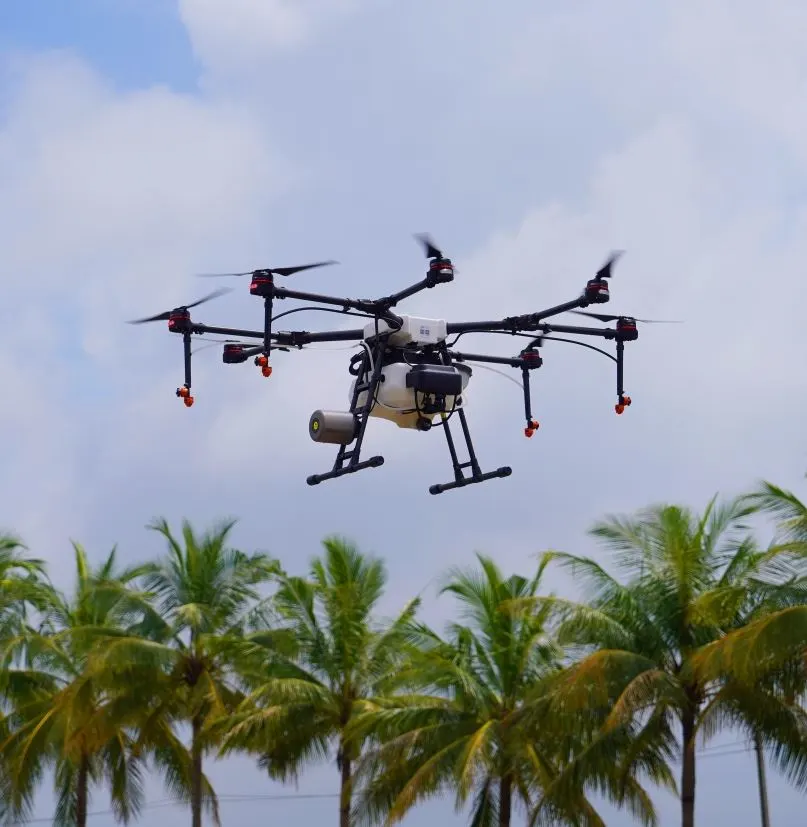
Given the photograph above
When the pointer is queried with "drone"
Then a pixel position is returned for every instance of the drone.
(406, 371)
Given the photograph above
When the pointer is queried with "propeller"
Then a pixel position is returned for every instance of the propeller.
(606, 317)
(429, 247)
(166, 315)
(605, 271)
(276, 271)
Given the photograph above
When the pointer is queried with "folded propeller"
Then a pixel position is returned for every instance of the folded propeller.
(606, 317)
(274, 271)
(182, 311)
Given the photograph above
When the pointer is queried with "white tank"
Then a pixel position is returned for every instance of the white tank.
(396, 402)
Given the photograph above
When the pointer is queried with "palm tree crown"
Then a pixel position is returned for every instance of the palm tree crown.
(329, 661)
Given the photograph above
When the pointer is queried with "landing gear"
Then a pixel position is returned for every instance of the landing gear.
(437, 390)
(460, 478)
(344, 428)
(476, 475)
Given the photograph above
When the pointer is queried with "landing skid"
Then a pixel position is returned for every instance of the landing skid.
(347, 461)
(341, 469)
(476, 475)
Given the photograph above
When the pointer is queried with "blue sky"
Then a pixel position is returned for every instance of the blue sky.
(134, 44)
(144, 140)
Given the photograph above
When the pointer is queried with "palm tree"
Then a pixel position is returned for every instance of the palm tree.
(179, 663)
(22, 583)
(689, 578)
(21, 580)
(59, 702)
(761, 610)
(463, 727)
(321, 667)
(786, 509)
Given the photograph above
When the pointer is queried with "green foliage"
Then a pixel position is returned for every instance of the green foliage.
(325, 661)
(470, 721)
(688, 581)
(529, 702)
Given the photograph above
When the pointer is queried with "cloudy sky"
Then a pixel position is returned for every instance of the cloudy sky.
(142, 141)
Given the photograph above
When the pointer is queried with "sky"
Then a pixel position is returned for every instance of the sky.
(144, 141)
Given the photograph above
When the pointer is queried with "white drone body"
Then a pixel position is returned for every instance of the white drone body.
(396, 400)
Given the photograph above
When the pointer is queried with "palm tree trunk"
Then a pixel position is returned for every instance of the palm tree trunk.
(345, 787)
(688, 769)
(82, 791)
(763, 782)
(505, 801)
(196, 774)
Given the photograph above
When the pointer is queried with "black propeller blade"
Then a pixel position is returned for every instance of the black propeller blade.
(429, 247)
(605, 317)
(605, 271)
(276, 271)
(163, 317)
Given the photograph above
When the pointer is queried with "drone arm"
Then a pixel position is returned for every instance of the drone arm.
(605, 333)
(302, 337)
(441, 271)
(581, 301)
(532, 322)
(201, 329)
(515, 362)
(391, 301)
(370, 307)
(291, 338)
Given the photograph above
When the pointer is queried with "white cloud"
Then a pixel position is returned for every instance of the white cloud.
(748, 61)
(240, 33)
(110, 201)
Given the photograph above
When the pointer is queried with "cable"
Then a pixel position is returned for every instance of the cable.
(716, 751)
(541, 336)
(232, 798)
(582, 344)
(720, 751)
(324, 310)
(501, 373)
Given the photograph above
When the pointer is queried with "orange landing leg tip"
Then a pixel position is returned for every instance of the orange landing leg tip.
(263, 363)
(184, 393)
(531, 428)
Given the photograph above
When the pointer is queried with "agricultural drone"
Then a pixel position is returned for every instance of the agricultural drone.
(406, 370)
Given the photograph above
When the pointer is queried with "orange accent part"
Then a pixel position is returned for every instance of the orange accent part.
(183, 392)
(619, 409)
(188, 400)
(531, 428)
(266, 370)
(627, 400)
(262, 361)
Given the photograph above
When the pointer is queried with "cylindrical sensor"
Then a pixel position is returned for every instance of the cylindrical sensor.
(335, 427)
